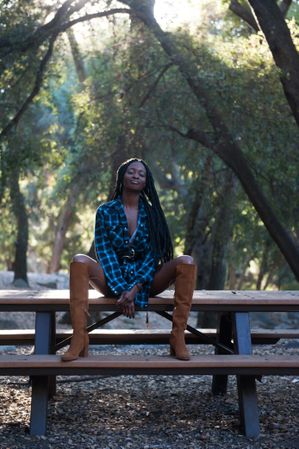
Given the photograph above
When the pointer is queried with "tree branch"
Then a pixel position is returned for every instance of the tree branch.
(155, 83)
(97, 15)
(195, 134)
(36, 88)
(57, 25)
(39, 35)
(282, 47)
(38, 80)
(285, 6)
(244, 14)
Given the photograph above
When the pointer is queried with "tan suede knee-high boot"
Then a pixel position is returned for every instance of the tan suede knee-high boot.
(184, 288)
(79, 283)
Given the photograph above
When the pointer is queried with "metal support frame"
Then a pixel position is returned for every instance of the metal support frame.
(201, 336)
(247, 395)
(39, 405)
(42, 386)
(219, 383)
(90, 328)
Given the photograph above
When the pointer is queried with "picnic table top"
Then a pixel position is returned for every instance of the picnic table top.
(221, 300)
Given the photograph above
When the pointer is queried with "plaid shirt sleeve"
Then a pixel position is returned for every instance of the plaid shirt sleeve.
(107, 257)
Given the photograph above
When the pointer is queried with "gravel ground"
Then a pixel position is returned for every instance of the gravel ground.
(149, 412)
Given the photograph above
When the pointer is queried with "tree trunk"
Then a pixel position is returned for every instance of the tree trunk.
(232, 277)
(67, 212)
(285, 55)
(222, 143)
(263, 266)
(222, 234)
(119, 155)
(19, 210)
(197, 242)
(64, 220)
(78, 60)
(284, 6)
(220, 240)
(234, 158)
(199, 188)
(244, 12)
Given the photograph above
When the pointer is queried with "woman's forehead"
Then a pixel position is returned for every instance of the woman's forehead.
(136, 165)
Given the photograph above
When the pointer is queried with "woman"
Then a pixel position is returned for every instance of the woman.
(134, 259)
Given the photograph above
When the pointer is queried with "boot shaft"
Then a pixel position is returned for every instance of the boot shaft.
(185, 283)
(79, 284)
(184, 288)
(79, 278)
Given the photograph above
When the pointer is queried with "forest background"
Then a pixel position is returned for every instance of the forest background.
(207, 92)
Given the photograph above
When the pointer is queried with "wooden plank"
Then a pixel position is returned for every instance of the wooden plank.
(203, 300)
(279, 333)
(119, 364)
(62, 295)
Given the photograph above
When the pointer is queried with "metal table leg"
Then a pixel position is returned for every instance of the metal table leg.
(246, 384)
(40, 384)
(219, 384)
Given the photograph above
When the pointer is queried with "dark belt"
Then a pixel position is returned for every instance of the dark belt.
(129, 254)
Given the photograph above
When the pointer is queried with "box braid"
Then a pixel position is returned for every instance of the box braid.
(158, 228)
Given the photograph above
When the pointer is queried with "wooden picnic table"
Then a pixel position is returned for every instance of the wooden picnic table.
(233, 345)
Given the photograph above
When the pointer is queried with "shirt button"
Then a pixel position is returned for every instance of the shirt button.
(126, 242)
(132, 272)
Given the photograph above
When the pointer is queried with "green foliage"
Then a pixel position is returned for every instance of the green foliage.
(66, 141)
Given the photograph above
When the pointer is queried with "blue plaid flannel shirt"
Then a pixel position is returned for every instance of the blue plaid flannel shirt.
(112, 238)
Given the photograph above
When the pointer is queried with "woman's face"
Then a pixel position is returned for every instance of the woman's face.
(135, 177)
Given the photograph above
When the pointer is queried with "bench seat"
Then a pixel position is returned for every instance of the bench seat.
(123, 364)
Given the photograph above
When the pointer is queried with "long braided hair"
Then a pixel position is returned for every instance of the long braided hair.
(158, 229)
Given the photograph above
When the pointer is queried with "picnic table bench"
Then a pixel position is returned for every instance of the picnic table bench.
(233, 342)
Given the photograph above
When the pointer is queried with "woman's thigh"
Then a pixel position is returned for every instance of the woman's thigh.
(165, 276)
(95, 271)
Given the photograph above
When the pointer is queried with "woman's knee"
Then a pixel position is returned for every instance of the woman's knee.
(184, 259)
(81, 258)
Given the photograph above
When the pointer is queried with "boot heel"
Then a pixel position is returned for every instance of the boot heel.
(84, 352)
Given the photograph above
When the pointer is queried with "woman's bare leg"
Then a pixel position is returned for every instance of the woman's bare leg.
(162, 279)
(167, 274)
(95, 271)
